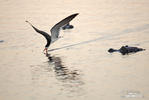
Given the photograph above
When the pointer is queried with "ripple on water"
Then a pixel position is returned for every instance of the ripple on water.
(132, 94)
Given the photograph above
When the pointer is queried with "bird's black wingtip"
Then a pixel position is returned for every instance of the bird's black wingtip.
(76, 14)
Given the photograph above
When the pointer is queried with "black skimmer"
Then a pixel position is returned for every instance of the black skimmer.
(54, 30)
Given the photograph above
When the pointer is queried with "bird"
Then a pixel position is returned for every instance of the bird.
(54, 31)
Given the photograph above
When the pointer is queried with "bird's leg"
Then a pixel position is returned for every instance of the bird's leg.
(45, 51)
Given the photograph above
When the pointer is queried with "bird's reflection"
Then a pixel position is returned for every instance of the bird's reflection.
(69, 80)
(63, 73)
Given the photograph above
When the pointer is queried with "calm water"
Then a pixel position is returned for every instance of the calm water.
(79, 67)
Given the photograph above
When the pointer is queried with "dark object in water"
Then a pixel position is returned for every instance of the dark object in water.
(67, 26)
(126, 49)
(49, 57)
(1, 41)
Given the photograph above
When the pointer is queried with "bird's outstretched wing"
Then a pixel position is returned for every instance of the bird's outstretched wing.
(46, 35)
(56, 28)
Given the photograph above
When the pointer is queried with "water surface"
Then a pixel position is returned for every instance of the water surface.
(79, 66)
